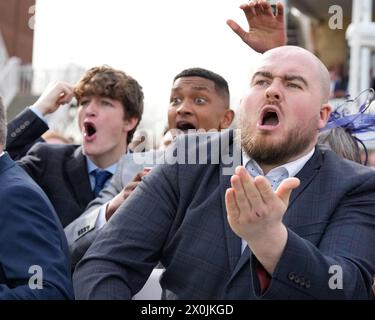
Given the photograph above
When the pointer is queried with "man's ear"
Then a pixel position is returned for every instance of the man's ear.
(130, 124)
(325, 112)
(227, 119)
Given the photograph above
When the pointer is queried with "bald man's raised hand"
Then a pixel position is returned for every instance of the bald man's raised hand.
(266, 30)
(253, 207)
(255, 213)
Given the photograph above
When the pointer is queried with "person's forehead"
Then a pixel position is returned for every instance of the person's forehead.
(286, 65)
(194, 83)
(93, 95)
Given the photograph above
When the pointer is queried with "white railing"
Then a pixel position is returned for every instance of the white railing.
(34, 81)
(9, 80)
(361, 39)
(8, 74)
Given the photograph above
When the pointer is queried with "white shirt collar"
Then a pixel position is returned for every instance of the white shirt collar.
(291, 167)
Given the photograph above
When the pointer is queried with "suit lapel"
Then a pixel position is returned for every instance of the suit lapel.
(307, 174)
(230, 151)
(233, 242)
(76, 170)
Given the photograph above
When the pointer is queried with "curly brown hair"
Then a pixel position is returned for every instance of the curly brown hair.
(105, 81)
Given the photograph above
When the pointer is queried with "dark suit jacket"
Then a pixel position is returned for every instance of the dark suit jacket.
(60, 170)
(23, 132)
(30, 235)
(177, 215)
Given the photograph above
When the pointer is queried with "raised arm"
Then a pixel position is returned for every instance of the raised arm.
(27, 127)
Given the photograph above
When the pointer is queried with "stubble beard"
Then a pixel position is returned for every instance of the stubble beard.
(263, 150)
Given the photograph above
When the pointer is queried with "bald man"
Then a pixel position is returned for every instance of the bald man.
(293, 222)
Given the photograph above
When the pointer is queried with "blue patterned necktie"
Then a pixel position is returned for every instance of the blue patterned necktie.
(101, 176)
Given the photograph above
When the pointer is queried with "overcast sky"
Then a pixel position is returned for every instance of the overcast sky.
(150, 40)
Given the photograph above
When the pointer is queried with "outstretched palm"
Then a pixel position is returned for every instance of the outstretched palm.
(266, 30)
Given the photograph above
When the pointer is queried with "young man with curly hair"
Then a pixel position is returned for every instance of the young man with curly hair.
(110, 108)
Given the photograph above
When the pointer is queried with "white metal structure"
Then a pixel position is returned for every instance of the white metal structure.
(9, 80)
(361, 39)
(8, 74)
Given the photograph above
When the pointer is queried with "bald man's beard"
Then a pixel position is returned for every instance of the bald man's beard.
(260, 148)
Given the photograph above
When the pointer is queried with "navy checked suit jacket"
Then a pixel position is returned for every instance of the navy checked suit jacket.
(30, 235)
(177, 215)
(60, 170)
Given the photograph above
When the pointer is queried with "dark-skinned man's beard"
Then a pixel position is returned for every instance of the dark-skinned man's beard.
(263, 151)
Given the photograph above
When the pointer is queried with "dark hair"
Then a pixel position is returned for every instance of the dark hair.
(107, 82)
(341, 141)
(221, 85)
(3, 125)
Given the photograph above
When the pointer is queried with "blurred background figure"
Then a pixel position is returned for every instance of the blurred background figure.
(339, 81)
(342, 142)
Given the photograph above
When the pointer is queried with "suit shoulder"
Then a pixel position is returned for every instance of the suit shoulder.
(46, 148)
(23, 196)
(21, 185)
(203, 147)
(346, 168)
(200, 138)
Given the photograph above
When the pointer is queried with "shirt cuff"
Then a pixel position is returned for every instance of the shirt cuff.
(101, 220)
(39, 114)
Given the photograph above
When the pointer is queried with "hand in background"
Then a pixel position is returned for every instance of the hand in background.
(266, 30)
(117, 201)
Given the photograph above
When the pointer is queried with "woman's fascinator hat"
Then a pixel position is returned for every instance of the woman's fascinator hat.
(356, 116)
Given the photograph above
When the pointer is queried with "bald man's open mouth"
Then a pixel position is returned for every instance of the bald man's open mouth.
(269, 119)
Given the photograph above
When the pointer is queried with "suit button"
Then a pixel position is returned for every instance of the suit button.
(291, 276)
(22, 126)
(18, 130)
(302, 283)
(308, 284)
(13, 134)
(27, 122)
(297, 280)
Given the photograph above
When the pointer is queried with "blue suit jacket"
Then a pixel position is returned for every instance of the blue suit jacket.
(177, 215)
(30, 235)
